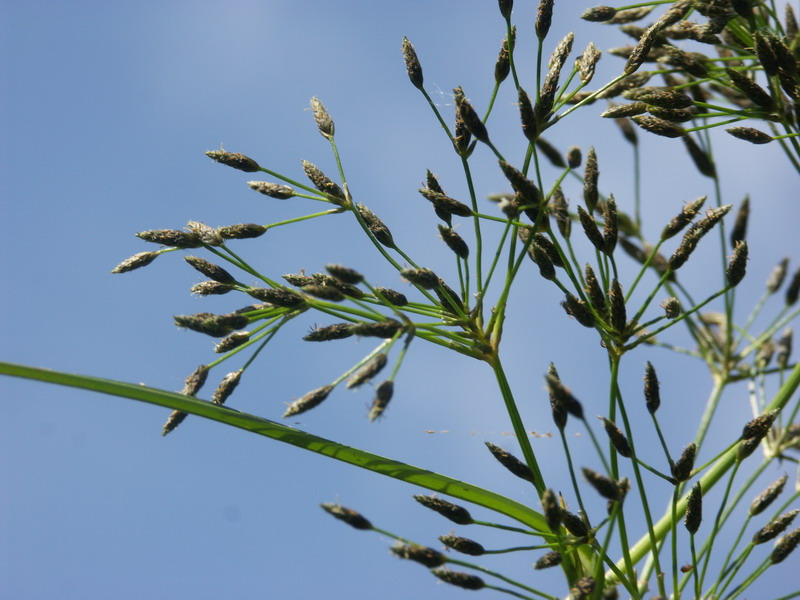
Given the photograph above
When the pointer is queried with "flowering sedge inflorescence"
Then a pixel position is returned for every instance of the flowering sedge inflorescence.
(741, 71)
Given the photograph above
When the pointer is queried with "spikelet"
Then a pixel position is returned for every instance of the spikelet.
(578, 309)
(277, 296)
(226, 387)
(503, 65)
(393, 297)
(607, 488)
(544, 18)
(242, 231)
(337, 331)
(652, 392)
(694, 509)
(471, 119)
(380, 329)
(574, 524)
(137, 261)
(550, 559)
(775, 527)
(682, 468)
(323, 119)
(672, 307)
(463, 545)
(207, 235)
(413, 65)
(307, 402)
(174, 238)
(273, 190)
(591, 174)
(368, 371)
(551, 510)
(768, 496)
(737, 267)
(453, 512)
(587, 62)
(232, 341)
(231, 159)
(659, 126)
(324, 183)
(425, 556)
(383, 394)
(785, 546)
(750, 134)
(375, 226)
(510, 462)
(348, 515)
(598, 14)
(459, 579)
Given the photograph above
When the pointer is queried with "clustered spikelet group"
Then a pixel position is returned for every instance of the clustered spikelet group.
(754, 75)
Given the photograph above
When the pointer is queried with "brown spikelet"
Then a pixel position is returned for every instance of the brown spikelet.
(768, 496)
(277, 296)
(213, 325)
(574, 524)
(560, 210)
(777, 276)
(672, 307)
(207, 235)
(702, 159)
(210, 270)
(591, 230)
(344, 274)
(607, 488)
(413, 65)
(593, 291)
(505, 8)
(455, 513)
(174, 238)
(210, 288)
(425, 556)
(685, 217)
(793, 289)
(695, 233)
(766, 54)
(659, 126)
(348, 515)
(652, 394)
(527, 115)
(226, 387)
(682, 468)
(324, 292)
(307, 402)
(380, 329)
(750, 134)
(550, 151)
(445, 204)
(471, 118)
(323, 119)
(368, 371)
(551, 510)
(617, 438)
(510, 462)
(337, 331)
(242, 231)
(324, 183)
(694, 509)
(375, 226)
(775, 527)
(587, 62)
(544, 18)
(232, 342)
(642, 49)
(273, 190)
(583, 588)
(503, 65)
(574, 157)
(616, 307)
(784, 348)
(738, 264)
(560, 395)
(235, 160)
(785, 546)
(454, 241)
(424, 278)
(462, 544)
(578, 309)
(591, 174)
(757, 428)
(598, 14)
(751, 89)
(459, 579)
(393, 297)
(610, 225)
(551, 559)
(383, 394)
(137, 261)
(625, 110)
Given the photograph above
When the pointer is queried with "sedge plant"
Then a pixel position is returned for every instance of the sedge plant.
(652, 510)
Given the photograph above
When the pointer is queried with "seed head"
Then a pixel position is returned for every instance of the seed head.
(505, 8)
(642, 49)
(766, 54)
(462, 544)
(348, 515)
(607, 488)
(593, 291)
(591, 174)
(752, 90)
(560, 209)
(210, 270)
(510, 462)
(765, 498)
(471, 119)
(578, 309)
(616, 307)
(551, 559)
(587, 62)
(459, 579)
(380, 329)
(344, 274)
(610, 225)
(775, 527)
(702, 160)
(574, 524)
(652, 394)
(574, 157)
(750, 134)
(544, 18)
(323, 119)
(462, 135)
(307, 402)
(337, 331)
(446, 204)
(457, 514)
(793, 291)
(324, 183)
(527, 190)
(383, 394)
(664, 98)
(659, 126)
(424, 278)
(784, 348)
(170, 237)
(375, 226)
(503, 65)
(273, 190)
(694, 509)
(213, 325)
(583, 588)
(237, 161)
(242, 231)
(175, 418)
(736, 268)
(324, 292)
(785, 546)
(694, 234)
(393, 297)
(685, 217)
(210, 288)
(591, 230)
(682, 468)
(625, 110)
(137, 261)
(617, 438)
(550, 151)
(757, 428)
(425, 556)
(672, 307)
(413, 66)
(598, 14)
(552, 510)
(277, 296)
(368, 371)
(232, 341)
(226, 387)
(454, 241)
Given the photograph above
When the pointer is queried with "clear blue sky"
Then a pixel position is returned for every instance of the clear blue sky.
(107, 109)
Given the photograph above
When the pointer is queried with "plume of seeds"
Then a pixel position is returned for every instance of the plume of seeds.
(242, 231)
(310, 400)
(652, 394)
(174, 238)
(210, 270)
(544, 18)
(598, 14)
(785, 546)
(685, 217)
(348, 515)
(413, 66)
(226, 387)
(425, 556)
(577, 308)
(383, 394)
(591, 174)
(503, 65)
(659, 126)
(551, 559)
(273, 190)
(323, 119)
(380, 329)
(694, 509)
(551, 510)
(137, 261)
(775, 527)
(231, 342)
(617, 438)
(750, 134)
(768, 496)
(191, 386)
(462, 544)
(587, 62)
(324, 183)
(695, 233)
(606, 487)
(235, 160)
(375, 226)
(368, 371)
(457, 514)
(510, 462)
(682, 468)
(459, 579)
(702, 160)
(737, 267)
(393, 297)
(470, 117)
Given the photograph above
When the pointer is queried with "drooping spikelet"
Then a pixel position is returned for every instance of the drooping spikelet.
(463, 545)
(459, 579)
(383, 394)
(768, 496)
(617, 438)
(273, 190)
(226, 387)
(235, 160)
(307, 402)
(457, 514)
(137, 261)
(425, 556)
(348, 515)
(510, 462)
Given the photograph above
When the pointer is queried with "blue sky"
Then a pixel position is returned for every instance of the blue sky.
(107, 111)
